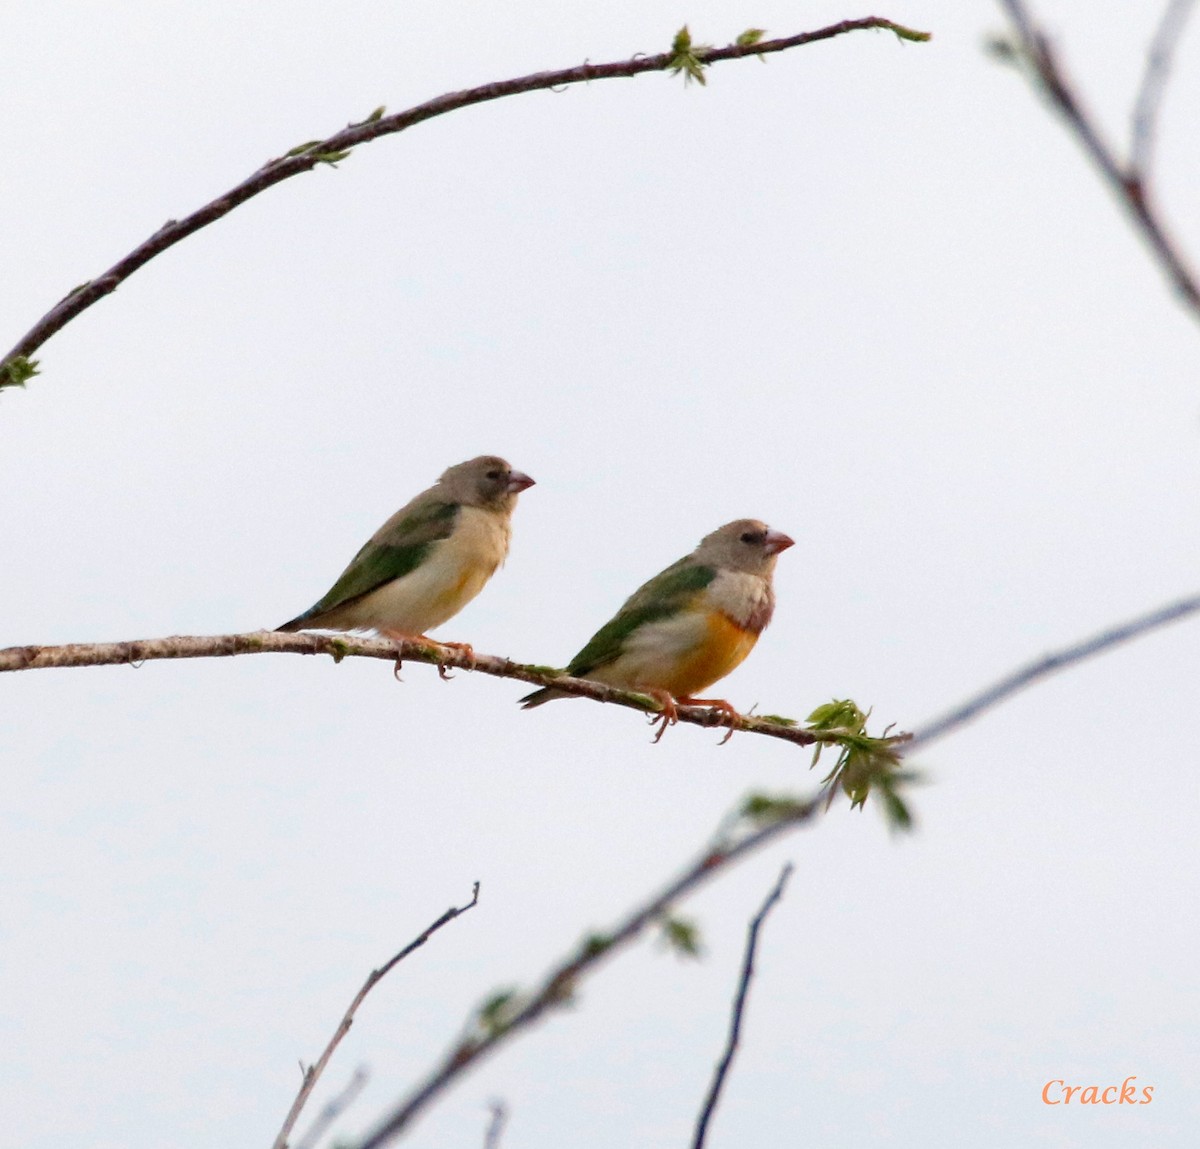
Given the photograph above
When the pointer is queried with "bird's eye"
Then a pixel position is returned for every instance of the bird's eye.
(493, 475)
(749, 537)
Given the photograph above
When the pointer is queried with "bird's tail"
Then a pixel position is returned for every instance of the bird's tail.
(546, 694)
(298, 623)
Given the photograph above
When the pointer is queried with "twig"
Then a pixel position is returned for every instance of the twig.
(347, 646)
(1154, 81)
(507, 1015)
(1050, 664)
(336, 147)
(313, 1072)
(491, 1139)
(1125, 180)
(739, 1006)
(333, 1109)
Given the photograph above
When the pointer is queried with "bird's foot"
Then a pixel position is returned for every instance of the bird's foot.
(669, 714)
(398, 638)
(467, 651)
(724, 707)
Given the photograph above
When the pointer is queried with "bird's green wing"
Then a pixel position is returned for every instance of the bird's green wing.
(398, 547)
(664, 595)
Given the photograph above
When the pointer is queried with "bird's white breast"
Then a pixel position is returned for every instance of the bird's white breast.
(745, 599)
(454, 571)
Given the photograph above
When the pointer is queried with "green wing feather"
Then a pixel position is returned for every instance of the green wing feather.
(664, 595)
(398, 547)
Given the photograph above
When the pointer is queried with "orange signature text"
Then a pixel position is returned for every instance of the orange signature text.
(1058, 1092)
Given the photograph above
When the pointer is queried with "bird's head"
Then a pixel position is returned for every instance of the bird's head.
(744, 545)
(487, 481)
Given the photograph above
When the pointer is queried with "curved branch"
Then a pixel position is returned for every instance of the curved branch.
(509, 1014)
(313, 1072)
(337, 146)
(1126, 180)
(347, 646)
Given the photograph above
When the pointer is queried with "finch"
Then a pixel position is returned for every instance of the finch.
(429, 559)
(689, 626)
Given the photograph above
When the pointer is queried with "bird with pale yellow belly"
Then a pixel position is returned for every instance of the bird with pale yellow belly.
(429, 559)
(689, 626)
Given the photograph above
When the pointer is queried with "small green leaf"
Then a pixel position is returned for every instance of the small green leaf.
(865, 763)
(766, 808)
(300, 149)
(687, 57)
(496, 1013)
(16, 372)
(750, 37)
(841, 713)
(903, 33)
(377, 114)
(595, 944)
(338, 649)
(331, 158)
(681, 935)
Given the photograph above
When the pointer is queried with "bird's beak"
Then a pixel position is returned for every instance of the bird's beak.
(777, 541)
(517, 482)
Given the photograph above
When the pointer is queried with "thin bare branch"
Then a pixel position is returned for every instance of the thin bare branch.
(508, 1014)
(333, 1109)
(313, 1073)
(1040, 668)
(337, 147)
(1125, 180)
(1154, 82)
(347, 646)
(499, 1111)
(739, 1007)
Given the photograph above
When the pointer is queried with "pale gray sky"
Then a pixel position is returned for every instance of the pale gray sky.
(869, 292)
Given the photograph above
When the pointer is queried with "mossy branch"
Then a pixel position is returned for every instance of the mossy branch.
(342, 646)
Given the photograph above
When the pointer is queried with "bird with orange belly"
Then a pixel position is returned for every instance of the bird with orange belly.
(689, 626)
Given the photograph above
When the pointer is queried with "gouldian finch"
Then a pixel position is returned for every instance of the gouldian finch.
(688, 626)
(429, 559)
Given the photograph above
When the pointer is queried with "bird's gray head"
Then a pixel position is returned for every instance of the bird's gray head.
(744, 545)
(487, 481)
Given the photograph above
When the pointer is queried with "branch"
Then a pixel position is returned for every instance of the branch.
(346, 646)
(1032, 672)
(1126, 180)
(739, 1006)
(491, 1138)
(313, 1072)
(508, 1013)
(16, 365)
(1154, 81)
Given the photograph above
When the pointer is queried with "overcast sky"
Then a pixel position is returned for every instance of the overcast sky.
(870, 292)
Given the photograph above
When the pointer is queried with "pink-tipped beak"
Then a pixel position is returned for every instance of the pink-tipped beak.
(518, 481)
(777, 541)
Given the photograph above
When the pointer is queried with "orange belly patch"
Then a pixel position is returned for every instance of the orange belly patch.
(458, 593)
(725, 646)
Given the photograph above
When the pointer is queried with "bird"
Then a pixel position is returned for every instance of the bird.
(689, 626)
(429, 559)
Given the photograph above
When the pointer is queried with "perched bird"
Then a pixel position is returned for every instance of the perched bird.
(688, 626)
(429, 559)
